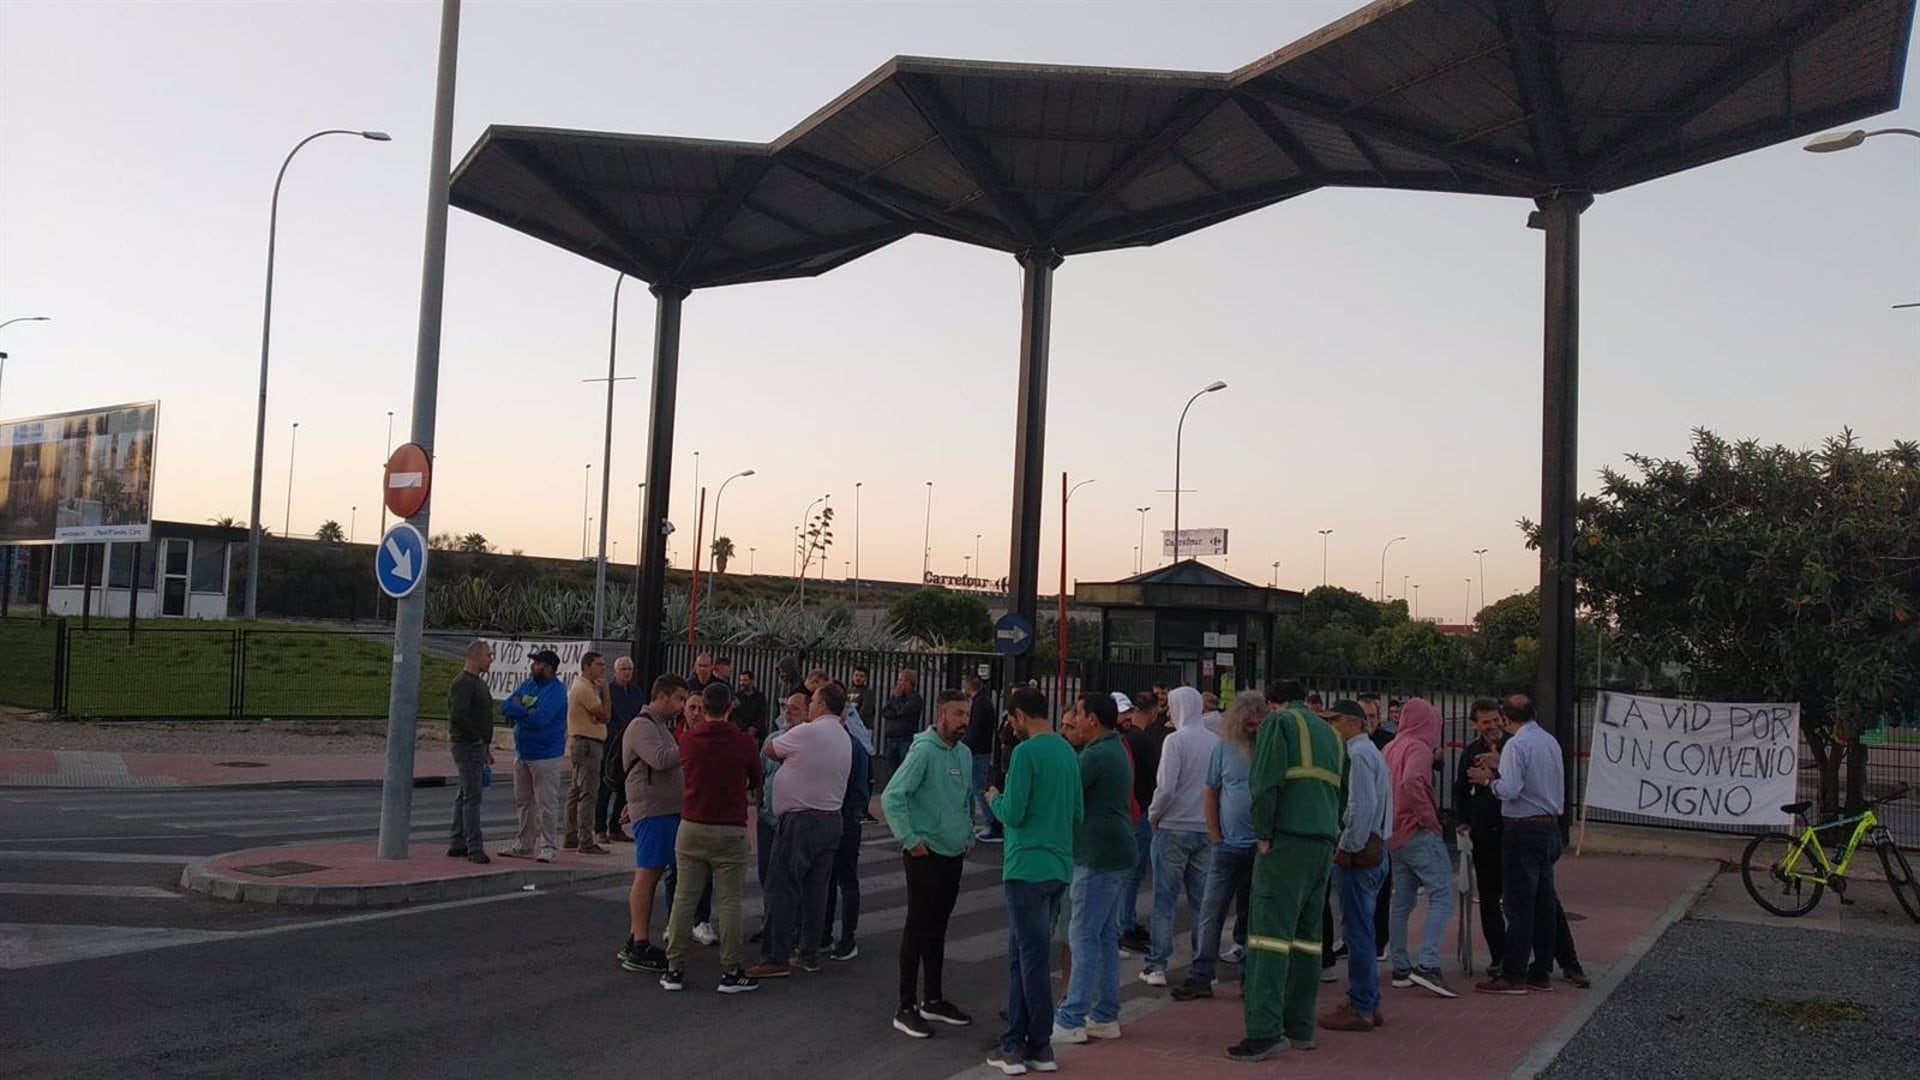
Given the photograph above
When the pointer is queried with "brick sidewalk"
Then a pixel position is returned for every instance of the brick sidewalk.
(1614, 900)
(106, 769)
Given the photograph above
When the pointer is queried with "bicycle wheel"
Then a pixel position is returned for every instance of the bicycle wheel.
(1900, 879)
(1763, 869)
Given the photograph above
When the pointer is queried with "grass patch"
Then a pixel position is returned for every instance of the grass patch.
(1814, 1014)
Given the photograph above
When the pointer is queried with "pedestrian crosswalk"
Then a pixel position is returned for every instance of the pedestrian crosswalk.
(260, 815)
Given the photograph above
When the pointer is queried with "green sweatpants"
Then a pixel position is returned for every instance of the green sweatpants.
(1281, 979)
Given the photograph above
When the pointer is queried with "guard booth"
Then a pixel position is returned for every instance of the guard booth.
(1208, 628)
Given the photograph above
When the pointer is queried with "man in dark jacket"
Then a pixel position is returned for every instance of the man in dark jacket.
(1146, 733)
(1477, 814)
(627, 697)
(900, 717)
(750, 708)
(843, 890)
(982, 719)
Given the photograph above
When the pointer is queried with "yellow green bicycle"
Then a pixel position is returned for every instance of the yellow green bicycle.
(1786, 874)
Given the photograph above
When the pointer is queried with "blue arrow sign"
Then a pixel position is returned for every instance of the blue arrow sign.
(400, 563)
(1013, 635)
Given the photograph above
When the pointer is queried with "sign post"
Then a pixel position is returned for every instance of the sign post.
(1013, 635)
(1193, 543)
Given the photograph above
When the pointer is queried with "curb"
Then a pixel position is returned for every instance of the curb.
(1547, 1049)
(202, 878)
(243, 785)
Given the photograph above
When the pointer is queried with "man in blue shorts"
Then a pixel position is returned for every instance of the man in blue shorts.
(651, 759)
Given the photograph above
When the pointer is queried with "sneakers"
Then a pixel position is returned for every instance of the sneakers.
(810, 965)
(985, 836)
(1042, 1060)
(705, 934)
(736, 982)
(1073, 1036)
(1329, 974)
(1403, 979)
(544, 856)
(1136, 939)
(456, 853)
(1540, 984)
(673, 980)
(617, 835)
(945, 1012)
(1153, 978)
(514, 853)
(1343, 1018)
(1192, 991)
(1233, 954)
(642, 956)
(479, 857)
(1430, 980)
(1249, 1051)
(1009, 1064)
(599, 838)
(908, 1022)
(846, 950)
(591, 848)
(1098, 1030)
(769, 971)
(1500, 985)
(627, 952)
(1578, 978)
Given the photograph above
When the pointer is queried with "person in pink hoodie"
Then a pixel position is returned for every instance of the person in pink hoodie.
(1418, 849)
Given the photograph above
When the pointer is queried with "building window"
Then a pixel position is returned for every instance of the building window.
(70, 565)
(209, 567)
(1130, 637)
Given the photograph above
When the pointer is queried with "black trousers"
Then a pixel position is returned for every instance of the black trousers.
(843, 890)
(1493, 922)
(1532, 906)
(933, 885)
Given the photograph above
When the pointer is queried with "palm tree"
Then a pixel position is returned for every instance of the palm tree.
(475, 544)
(722, 553)
(329, 532)
(225, 523)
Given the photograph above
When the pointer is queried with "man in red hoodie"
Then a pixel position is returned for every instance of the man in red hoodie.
(1417, 848)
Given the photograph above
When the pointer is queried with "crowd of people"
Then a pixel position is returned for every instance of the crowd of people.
(1265, 819)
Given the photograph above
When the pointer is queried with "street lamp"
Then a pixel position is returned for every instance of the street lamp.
(1324, 533)
(976, 540)
(1466, 618)
(926, 540)
(586, 516)
(1060, 631)
(293, 443)
(1142, 545)
(606, 465)
(1847, 140)
(716, 525)
(1416, 603)
(1276, 573)
(353, 520)
(1379, 587)
(856, 545)
(1482, 553)
(10, 322)
(266, 337)
(1179, 436)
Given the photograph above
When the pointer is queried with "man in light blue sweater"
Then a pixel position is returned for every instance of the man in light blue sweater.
(1360, 866)
(1179, 816)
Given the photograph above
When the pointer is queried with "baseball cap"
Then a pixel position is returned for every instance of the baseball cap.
(544, 656)
(1346, 708)
(1122, 701)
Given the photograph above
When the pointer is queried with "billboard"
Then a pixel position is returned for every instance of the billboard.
(1195, 542)
(78, 477)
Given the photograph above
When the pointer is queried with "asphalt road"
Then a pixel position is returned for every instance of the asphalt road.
(109, 970)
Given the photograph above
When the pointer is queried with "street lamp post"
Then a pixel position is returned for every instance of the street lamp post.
(1466, 617)
(1847, 140)
(10, 322)
(1179, 436)
(856, 546)
(353, 526)
(976, 544)
(926, 539)
(1482, 553)
(586, 515)
(1416, 603)
(716, 525)
(1060, 631)
(1324, 533)
(293, 444)
(266, 337)
(389, 457)
(1379, 587)
(606, 465)
(1140, 547)
(1276, 573)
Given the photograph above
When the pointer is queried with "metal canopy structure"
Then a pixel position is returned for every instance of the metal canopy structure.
(1553, 101)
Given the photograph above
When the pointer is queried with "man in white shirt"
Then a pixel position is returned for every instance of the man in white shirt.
(1181, 847)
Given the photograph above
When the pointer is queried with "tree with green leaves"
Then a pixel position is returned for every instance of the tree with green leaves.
(722, 548)
(330, 532)
(1771, 574)
(942, 617)
(474, 543)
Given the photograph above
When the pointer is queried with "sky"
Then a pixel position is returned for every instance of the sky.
(1381, 349)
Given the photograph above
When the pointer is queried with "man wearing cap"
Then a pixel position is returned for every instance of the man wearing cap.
(537, 709)
(1359, 866)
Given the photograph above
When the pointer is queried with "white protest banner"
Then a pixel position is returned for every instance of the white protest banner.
(511, 665)
(1702, 761)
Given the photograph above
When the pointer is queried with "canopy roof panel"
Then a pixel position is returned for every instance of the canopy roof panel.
(686, 212)
(1528, 97)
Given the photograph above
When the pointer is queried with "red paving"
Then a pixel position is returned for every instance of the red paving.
(1474, 1035)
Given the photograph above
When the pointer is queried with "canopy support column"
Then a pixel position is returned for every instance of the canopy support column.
(649, 647)
(1030, 443)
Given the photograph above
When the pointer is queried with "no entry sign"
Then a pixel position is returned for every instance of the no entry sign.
(408, 481)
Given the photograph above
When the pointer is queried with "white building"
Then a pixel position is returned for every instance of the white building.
(184, 573)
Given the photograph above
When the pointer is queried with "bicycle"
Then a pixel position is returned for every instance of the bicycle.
(1786, 874)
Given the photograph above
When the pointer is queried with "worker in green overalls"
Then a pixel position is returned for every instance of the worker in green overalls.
(1297, 782)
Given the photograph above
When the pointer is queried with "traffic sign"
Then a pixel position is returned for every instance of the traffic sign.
(1013, 635)
(400, 563)
(408, 481)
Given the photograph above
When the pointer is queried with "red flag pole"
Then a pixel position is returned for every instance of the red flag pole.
(693, 588)
(1060, 635)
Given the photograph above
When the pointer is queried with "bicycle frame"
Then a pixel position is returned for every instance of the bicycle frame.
(1809, 840)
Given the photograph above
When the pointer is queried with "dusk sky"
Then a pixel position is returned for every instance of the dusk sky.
(1382, 349)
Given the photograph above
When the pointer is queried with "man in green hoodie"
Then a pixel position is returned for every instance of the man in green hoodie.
(926, 808)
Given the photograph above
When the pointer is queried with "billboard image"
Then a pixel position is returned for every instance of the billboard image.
(78, 477)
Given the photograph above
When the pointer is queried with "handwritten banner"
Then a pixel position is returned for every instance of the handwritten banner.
(511, 665)
(1696, 761)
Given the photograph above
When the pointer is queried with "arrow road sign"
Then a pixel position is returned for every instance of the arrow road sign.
(400, 563)
(1013, 635)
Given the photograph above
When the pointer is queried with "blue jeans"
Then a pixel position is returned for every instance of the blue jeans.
(1358, 891)
(1179, 859)
(982, 817)
(1421, 863)
(1142, 869)
(1093, 993)
(1229, 874)
(1031, 909)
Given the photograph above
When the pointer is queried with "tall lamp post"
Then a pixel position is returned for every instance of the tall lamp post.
(1379, 587)
(926, 540)
(10, 322)
(383, 502)
(1139, 549)
(1324, 533)
(1482, 553)
(1416, 602)
(1060, 631)
(266, 338)
(586, 515)
(856, 546)
(293, 444)
(1179, 437)
(716, 526)
(1466, 618)
(606, 466)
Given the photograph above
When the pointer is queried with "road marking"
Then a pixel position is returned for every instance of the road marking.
(99, 857)
(123, 892)
(97, 839)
